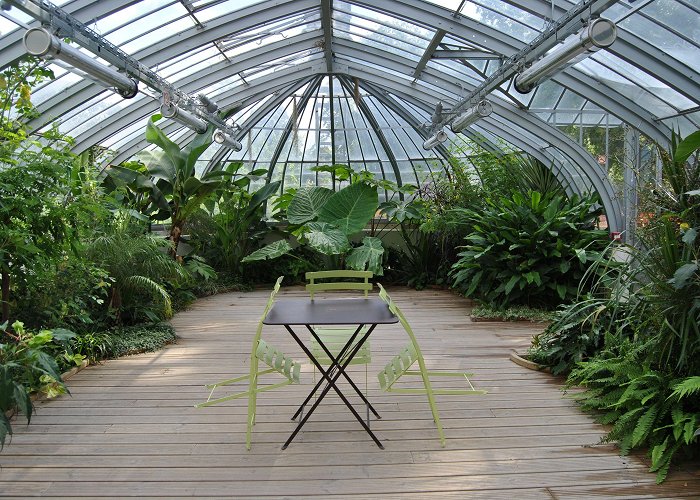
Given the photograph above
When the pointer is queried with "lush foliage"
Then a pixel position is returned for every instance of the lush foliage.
(28, 363)
(324, 220)
(486, 312)
(634, 342)
(647, 407)
(175, 192)
(529, 250)
(138, 267)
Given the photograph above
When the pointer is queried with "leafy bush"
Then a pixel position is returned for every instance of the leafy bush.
(645, 327)
(137, 339)
(26, 365)
(530, 250)
(138, 270)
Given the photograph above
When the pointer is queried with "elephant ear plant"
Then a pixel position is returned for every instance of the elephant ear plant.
(169, 180)
(324, 220)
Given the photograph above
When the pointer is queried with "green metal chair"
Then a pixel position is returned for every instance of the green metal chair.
(401, 364)
(275, 359)
(336, 337)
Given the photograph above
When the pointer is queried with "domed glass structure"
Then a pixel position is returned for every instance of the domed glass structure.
(305, 83)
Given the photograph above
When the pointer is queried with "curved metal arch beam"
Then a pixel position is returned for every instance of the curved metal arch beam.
(513, 138)
(238, 98)
(303, 101)
(161, 47)
(260, 114)
(364, 109)
(596, 91)
(181, 43)
(192, 84)
(579, 157)
(576, 81)
(516, 140)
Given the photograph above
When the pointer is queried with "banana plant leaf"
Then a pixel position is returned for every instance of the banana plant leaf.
(368, 256)
(326, 238)
(307, 203)
(271, 251)
(351, 208)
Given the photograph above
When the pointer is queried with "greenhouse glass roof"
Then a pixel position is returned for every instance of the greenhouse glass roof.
(309, 82)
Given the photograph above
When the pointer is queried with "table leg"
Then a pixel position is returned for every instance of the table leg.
(331, 384)
(335, 362)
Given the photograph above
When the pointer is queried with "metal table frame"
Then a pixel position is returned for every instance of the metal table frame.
(331, 312)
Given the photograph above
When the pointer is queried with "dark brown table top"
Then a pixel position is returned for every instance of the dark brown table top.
(359, 311)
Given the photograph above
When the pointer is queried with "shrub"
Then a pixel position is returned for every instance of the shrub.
(530, 250)
(26, 365)
(139, 338)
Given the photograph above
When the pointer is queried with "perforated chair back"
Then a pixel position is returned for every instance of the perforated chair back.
(318, 281)
(335, 337)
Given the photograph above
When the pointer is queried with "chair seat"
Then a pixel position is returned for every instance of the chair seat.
(334, 338)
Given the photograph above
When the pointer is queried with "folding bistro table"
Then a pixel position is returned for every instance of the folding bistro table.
(362, 312)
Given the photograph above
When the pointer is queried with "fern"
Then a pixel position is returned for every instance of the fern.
(689, 386)
(644, 425)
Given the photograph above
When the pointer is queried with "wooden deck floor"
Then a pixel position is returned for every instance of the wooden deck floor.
(130, 429)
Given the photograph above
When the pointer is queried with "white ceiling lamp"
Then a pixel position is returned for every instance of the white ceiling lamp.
(188, 119)
(40, 42)
(221, 137)
(598, 34)
(435, 140)
(481, 110)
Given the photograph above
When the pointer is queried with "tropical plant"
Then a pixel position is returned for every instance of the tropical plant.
(26, 366)
(175, 192)
(325, 219)
(230, 225)
(529, 250)
(643, 379)
(138, 268)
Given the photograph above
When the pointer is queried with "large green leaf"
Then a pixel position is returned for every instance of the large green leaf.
(139, 183)
(326, 238)
(159, 165)
(351, 208)
(687, 147)
(195, 149)
(271, 251)
(368, 256)
(156, 136)
(306, 204)
(261, 195)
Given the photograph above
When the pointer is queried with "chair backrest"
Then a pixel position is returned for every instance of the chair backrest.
(268, 306)
(314, 285)
(402, 319)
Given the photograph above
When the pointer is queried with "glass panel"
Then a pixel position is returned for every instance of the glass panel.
(660, 37)
(676, 16)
